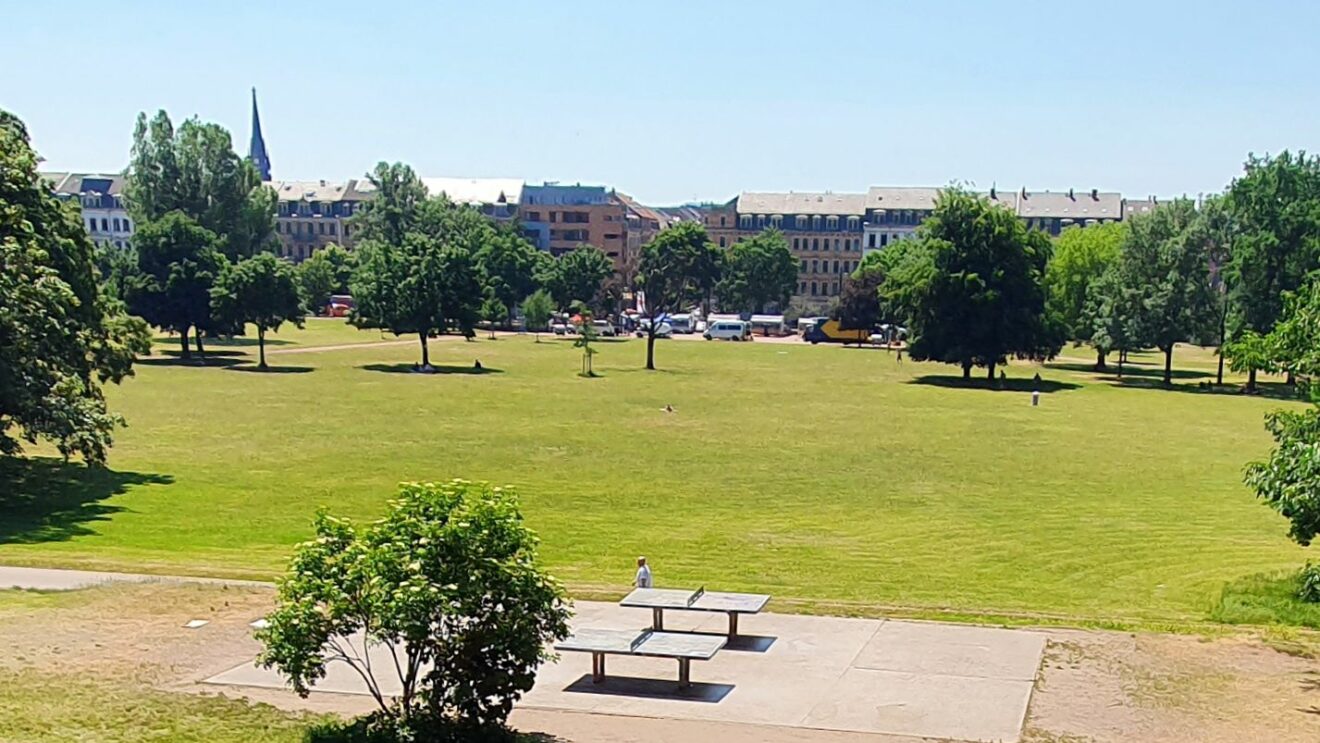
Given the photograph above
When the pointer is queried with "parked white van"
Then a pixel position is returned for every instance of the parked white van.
(728, 330)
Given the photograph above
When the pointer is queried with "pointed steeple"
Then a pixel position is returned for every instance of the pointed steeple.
(257, 148)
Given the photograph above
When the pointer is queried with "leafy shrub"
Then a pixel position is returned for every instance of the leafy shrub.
(1308, 586)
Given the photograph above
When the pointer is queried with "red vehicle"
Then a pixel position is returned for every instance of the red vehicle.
(339, 305)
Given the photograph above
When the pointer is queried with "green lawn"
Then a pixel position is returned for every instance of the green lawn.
(818, 473)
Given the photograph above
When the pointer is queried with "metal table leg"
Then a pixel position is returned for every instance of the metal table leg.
(597, 667)
(733, 625)
(684, 673)
(657, 619)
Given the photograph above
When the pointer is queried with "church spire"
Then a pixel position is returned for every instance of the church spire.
(257, 148)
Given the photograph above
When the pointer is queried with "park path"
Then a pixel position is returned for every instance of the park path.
(53, 579)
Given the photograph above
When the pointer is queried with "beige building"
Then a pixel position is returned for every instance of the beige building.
(313, 214)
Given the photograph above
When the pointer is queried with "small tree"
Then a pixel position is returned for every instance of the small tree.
(326, 273)
(494, 312)
(586, 334)
(537, 310)
(1081, 255)
(262, 290)
(446, 584)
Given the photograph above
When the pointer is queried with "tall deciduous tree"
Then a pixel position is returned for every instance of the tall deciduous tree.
(577, 276)
(1275, 206)
(261, 290)
(61, 337)
(1165, 267)
(447, 583)
(859, 301)
(757, 272)
(1081, 256)
(417, 271)
(419, 287)
(195, 170)
(984, 298)
(178, 264)
(675, 269)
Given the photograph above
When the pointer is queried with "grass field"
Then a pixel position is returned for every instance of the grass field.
(828, 475)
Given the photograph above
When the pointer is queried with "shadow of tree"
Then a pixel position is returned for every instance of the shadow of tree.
(48, 500)
(1012, 384)
(242, 341)
(1129, 370)
(254, 369)
(435, 369)
(174, 357)
(368, 730)
(1271, 390)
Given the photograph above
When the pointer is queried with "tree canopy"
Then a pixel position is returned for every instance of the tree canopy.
(178, 265)
(326, 273)
(1081, 256)
(576, 276)
(261, 290)
(1164, 266)
(447, 582)
(537, 309)
(61, 336)
(194, 170)
(428, 279)
(510, 265)
(758, 272)
(982, 297)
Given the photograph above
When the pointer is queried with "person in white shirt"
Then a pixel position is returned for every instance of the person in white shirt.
(643, 574)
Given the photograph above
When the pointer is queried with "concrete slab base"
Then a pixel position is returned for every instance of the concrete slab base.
(872, 676)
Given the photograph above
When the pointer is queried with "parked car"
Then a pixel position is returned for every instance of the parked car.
(663, 330)
(559, 328)
(604, 328)
(728, 330)
(681, 323)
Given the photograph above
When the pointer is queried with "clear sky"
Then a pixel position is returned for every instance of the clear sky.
(681, 101)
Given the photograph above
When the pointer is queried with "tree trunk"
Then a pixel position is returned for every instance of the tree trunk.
(1251, 380)
(1122, 356)
(183, 338)
(201, 352)
(1100, 364)
(990, 372)
(426, 352)
(650, 348)
(261, 347)
(1223, 331)
(1219, 376)
(1168, 366)
(967, 370)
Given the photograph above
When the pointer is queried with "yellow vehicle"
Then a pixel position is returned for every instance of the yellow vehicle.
(829, 331)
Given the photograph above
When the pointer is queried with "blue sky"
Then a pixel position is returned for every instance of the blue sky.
(679, 101)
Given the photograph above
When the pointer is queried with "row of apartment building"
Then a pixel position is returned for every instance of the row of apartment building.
(829, 233)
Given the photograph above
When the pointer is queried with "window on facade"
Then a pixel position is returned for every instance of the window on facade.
(115, 222)
(128, 227)
(760, 221)
(884, 240)
(815, 266)
(831, 223)
(721, 220)
(815, 223)
(802, 287)
(745, 221)
(721, 242)
(332, 228)
(804, 266)
(346, 230)
(776, 220)
(801, 222)
(105, 224)
(813, 288)
(836, 267)
(91, 225)
(852, 223)
(815, 243)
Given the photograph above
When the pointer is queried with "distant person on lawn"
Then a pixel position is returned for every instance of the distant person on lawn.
(643, 574)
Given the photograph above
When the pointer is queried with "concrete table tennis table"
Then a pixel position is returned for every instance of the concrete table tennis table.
(659, 599)
(682, 647)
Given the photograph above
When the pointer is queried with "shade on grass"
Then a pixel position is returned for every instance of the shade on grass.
(819, 473)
